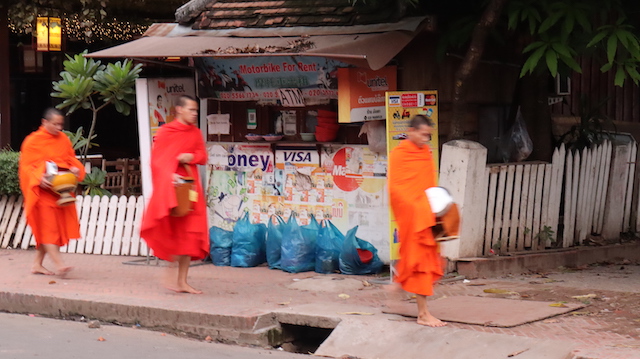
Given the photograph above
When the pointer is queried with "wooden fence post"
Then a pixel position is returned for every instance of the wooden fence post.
(615, 202)
(463, 173)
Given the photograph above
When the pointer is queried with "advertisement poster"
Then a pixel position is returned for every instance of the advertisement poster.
(362, 91)
(359, 180)
(401, 106)
(342, 183)
(163, 97)
(260, 78)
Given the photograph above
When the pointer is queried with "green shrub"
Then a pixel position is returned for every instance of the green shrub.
(9, 183)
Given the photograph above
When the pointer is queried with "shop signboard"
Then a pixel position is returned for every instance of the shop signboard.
(288, 81)
(163, 98)
(361, 93)
(401, 106)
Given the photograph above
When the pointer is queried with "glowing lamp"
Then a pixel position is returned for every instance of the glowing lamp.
(49, 34)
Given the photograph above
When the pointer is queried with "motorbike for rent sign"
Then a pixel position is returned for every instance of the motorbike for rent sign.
(288, 81)
(401, 106)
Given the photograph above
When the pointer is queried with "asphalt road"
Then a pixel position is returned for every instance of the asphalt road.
(23, 337)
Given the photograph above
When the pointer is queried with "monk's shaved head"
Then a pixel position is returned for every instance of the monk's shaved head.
(419, 120)
(51, 113)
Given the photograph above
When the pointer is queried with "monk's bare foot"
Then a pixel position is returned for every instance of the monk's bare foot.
(41, 270)
(185, 288)
(63, 271)
(431, 321)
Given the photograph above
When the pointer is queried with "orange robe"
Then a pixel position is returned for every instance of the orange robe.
(171, 236)
(50, 223)
(411, 172)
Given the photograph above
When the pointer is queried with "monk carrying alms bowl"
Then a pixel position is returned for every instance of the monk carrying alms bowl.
(64, 184)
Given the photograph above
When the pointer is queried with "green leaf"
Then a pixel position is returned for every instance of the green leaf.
(620, 77)
(612, 45)
(597, 38)
(552, 62)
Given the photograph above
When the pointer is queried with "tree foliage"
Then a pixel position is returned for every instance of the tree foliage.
(88, 84)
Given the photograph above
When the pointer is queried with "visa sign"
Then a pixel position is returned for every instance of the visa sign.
(297, 157)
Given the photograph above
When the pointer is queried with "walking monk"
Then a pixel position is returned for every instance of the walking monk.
(177, 239)
(411, 172)
(52, 225)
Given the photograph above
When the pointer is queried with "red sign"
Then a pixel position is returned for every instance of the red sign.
(430, 100)
(409, 100)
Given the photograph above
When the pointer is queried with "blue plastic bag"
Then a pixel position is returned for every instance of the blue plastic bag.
(221, 242)
(299, 246)
(274, 241)
(249, 243)
(350, 262)
(328, 247)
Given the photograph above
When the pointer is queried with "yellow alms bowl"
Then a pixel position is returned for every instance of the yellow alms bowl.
(64, 181)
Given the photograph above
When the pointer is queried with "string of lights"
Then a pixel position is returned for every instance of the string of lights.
(76, 29)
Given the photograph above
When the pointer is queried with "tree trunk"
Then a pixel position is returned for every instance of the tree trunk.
(469, 64)
(535, 111)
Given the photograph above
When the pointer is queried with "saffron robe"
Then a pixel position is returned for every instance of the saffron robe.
(50, 223)
(172, 236)
(411, 172)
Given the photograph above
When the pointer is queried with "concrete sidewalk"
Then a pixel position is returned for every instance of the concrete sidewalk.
(258, 306)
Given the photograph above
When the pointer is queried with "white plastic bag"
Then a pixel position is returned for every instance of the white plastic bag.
(516, 144)
(376, 135)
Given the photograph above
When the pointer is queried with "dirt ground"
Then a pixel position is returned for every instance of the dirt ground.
(610, 290)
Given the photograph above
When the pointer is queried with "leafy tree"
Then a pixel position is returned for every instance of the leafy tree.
(88, 84)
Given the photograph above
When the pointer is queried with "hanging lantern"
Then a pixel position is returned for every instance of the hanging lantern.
(49, 34)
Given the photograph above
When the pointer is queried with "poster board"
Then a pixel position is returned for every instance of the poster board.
(401, 106)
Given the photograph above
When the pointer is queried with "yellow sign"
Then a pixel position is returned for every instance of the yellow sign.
(49, 34)
(401, 106)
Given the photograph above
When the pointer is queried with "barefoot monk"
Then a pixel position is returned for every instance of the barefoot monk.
(177, 145)
(411, 172)
(52, 225)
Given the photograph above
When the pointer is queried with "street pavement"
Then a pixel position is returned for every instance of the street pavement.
(246, 306)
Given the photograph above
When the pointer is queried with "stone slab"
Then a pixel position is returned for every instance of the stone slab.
(493, 312)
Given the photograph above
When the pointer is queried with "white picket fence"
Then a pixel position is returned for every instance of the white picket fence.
(108, 225)
(534, 205)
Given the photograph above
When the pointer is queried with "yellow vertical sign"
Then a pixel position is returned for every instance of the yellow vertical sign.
(49, 34)
(401, 106)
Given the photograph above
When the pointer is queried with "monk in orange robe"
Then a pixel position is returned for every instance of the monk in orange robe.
(177, 239)
(52, 225)
(411, 172)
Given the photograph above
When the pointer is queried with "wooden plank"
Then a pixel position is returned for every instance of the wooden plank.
(91, 227)
(567, 217)
(590, 191)
(127, 234)
(109, 242)
(116, 248)
(580, 210)
(85, 213)
(500, 191)
(492, 174)
(506, 213)
(524, 203)
(556, 190)
(28, 237)
(574, 195)
(98, 237)
(544, 211)
(6, 211)
(515, 209)
(13, 222)
(138, 247)
(528, 238)
(22, 227)
(630, 180)
(537, 206)
(600, 191)
(605, 181)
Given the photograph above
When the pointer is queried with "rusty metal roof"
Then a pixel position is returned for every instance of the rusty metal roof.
(228, 14)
